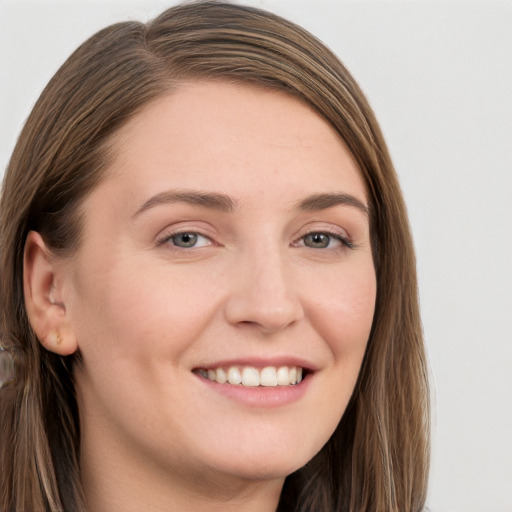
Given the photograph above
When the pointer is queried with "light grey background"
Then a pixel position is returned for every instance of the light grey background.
(439, 76)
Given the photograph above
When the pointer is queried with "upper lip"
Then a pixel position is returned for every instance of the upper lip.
(260, 362)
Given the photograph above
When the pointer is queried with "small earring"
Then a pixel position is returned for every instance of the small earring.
(54, 339)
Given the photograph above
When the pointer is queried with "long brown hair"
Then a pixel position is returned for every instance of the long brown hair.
(378, 458)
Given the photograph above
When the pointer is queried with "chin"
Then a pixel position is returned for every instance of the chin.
(271, 465)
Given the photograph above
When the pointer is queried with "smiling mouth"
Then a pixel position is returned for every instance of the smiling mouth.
(249, 376)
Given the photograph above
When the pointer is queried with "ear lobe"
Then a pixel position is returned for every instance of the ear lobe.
(45, 309)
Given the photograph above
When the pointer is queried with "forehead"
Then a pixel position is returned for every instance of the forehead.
(216, 131)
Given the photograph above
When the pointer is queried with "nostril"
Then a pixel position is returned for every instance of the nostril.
(264, 327)
(244, 313)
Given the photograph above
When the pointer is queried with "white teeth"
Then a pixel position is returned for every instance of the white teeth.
(234, 376)
(220, 376)
(283, 378)
(268, 376)
(249, 376)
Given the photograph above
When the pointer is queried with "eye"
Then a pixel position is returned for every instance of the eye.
(322, 240)
(188, 240)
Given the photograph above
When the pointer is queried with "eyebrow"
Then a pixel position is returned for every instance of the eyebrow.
(210, 200)
(224, 203)
(324, 201)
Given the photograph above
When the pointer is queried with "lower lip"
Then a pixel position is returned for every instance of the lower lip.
(264, 397)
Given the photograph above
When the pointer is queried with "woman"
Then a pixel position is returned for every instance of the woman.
(209, 287)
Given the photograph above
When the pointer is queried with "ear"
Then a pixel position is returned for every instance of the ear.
(46, 311)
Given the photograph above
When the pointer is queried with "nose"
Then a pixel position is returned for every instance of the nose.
(264, 294)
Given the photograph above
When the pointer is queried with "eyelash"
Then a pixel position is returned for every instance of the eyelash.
(168, 238)
(345, 242)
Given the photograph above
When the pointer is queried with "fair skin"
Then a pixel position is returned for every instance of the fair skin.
(230, 231)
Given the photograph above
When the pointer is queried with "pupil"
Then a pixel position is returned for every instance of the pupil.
(186, 239)
(318, 240)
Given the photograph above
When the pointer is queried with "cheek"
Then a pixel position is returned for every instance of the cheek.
(141, 313)
(344, 313)
(343, 316)
(341, 313)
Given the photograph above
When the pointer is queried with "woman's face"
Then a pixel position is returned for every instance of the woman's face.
(229, 239)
